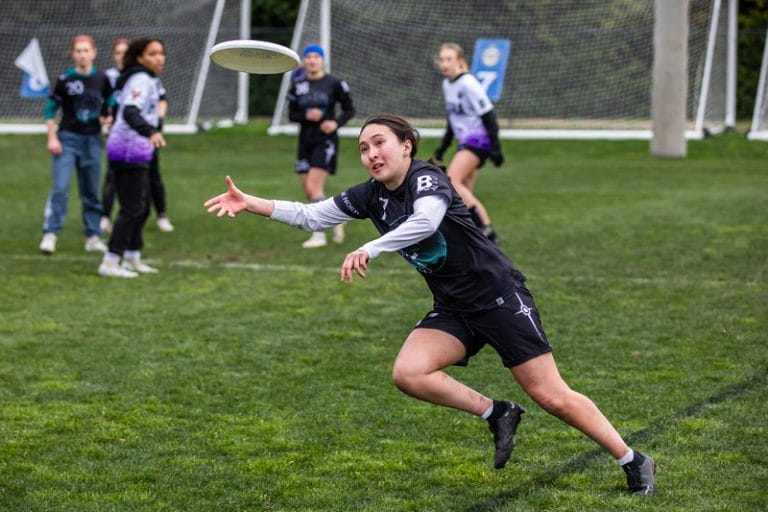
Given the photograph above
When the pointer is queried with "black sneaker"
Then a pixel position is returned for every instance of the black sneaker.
(504, 428)
(640, 471)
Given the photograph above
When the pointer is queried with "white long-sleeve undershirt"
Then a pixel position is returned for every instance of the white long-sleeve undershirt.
(428, 213)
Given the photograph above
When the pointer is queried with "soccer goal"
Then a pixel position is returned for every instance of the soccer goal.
(759, 128)
(35, 50)
(567, 69)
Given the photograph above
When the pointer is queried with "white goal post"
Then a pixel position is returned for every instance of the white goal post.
(574, 69)
(35, 50)
(759, 128)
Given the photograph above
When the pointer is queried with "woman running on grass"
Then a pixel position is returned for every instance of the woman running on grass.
(479, 296)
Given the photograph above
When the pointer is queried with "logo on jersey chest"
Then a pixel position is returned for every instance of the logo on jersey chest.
(427, 256)
(302, 88)
(384, 203)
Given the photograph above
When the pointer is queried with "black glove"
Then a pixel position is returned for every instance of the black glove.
(496, 157)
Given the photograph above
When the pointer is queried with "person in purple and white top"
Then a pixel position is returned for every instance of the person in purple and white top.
(472, 121)
(131, 145)
(157, 188)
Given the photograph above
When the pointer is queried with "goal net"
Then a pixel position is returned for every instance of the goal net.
(37, 35)
(574, 69)
(759, 128)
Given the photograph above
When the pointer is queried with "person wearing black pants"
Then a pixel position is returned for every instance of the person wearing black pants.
(156, 187)
(131, 147)
(132, 188)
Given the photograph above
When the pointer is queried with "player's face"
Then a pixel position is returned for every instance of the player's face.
(383, 155)
(83, 54)
(313, 63)
(118, 54)
(449, 63)
(153, 57)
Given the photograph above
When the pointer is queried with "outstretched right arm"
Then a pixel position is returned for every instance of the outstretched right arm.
(310, 217)
(234, 201)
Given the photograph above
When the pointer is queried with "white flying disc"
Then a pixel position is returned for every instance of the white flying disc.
(257, 57)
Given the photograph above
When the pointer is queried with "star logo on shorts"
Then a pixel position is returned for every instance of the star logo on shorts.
(524, 310)
(528, 312)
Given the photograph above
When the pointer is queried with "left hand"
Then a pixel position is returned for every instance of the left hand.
(329, 126)
(496, 157)
(313, 114)
(156, 140)
(356, 261)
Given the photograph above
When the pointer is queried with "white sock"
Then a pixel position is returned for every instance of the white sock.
(132, 255)
(488, 412)
(627, 458)
(110, 257)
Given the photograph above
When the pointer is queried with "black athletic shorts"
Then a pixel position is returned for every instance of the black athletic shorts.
(513, 329)
(321, 155)
(482, 154)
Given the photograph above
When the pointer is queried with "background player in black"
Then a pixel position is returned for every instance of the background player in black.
(479, 297)
(82, 93)
(312, 101)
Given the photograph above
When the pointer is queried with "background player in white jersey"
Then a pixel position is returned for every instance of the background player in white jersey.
(479, 296)
(312, 101)
(119, 47)
(131, 145)
(472, 121)
(157, 189)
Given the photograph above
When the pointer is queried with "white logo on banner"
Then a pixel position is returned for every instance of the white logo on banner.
(30, 60)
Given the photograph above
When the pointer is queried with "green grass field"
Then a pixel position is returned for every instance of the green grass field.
(245, 376)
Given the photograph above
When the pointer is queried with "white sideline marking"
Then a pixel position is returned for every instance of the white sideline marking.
(269, 267)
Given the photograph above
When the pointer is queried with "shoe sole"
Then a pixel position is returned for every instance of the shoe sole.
(114, 276)
(145, 271)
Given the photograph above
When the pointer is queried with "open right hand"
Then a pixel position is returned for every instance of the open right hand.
(229, 203)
